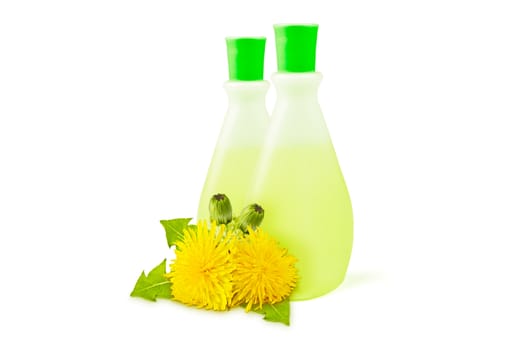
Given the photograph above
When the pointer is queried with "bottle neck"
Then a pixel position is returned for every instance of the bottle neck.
(246, 93)
(246, 118)
(297, 118)
(297, 87)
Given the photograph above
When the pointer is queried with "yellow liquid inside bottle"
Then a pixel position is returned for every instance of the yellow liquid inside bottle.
(308, 210)
(300, 185)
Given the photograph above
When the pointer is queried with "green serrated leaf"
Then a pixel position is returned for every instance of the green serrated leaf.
(279, 312)
(154, 285)
(174, 229)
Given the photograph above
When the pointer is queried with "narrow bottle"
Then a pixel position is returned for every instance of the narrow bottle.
(244, 126)
(298, 180)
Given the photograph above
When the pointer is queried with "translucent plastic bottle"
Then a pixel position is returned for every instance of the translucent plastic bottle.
(244, 126)
(299, 182)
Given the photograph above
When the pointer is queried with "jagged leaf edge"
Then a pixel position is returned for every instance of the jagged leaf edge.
(144, 278)
(174, 233)
(269, 309)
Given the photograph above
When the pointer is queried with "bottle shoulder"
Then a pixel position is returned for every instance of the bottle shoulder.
(301, 83)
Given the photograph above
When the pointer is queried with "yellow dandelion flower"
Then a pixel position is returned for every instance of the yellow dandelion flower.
(264, 273)
(201, 274)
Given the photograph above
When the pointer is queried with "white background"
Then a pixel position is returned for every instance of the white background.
(109, 111)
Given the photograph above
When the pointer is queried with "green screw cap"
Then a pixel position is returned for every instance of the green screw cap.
(246, 58)
(296, 47)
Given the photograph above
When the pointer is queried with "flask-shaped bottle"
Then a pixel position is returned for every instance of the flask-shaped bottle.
(298, 179)
(244, 126)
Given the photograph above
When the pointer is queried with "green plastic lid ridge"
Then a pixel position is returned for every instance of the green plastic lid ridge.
(296, 47)
(246, 58)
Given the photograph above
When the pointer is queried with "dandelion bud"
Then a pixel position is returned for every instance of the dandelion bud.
(220, 209)
(251, 215)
